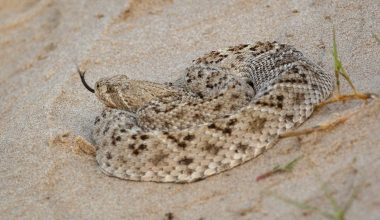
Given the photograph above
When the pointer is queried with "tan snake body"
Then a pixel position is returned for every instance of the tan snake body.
(227, 108)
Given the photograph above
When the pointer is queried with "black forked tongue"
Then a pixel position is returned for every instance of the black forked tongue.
(81, 74)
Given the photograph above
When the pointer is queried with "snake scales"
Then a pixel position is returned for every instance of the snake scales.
(227, 108)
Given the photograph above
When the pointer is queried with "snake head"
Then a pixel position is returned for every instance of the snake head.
(112, 92)
(109, 90)
(123, 93)
(120, 92)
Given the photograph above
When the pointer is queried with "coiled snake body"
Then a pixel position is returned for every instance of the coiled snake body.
(228, 107)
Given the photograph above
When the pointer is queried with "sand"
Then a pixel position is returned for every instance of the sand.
(46, 113)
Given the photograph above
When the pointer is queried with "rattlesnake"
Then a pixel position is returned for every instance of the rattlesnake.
(227, 108)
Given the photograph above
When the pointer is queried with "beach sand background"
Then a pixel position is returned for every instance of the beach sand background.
(45, 109)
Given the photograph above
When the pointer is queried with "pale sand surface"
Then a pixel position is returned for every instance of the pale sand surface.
(44, 106)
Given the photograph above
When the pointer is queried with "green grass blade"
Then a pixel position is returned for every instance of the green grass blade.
(332, 200)
(376, 38)
(344, 73)
(290, 166)
(338, 67)
(337, 63)
(304, 206)
(351, 199)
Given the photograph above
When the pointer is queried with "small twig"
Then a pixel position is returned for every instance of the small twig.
(343, 98)
(321, 127)
(335, 122)
(288, 167)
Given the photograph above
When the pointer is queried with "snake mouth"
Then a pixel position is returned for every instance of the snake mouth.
(81, 74)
